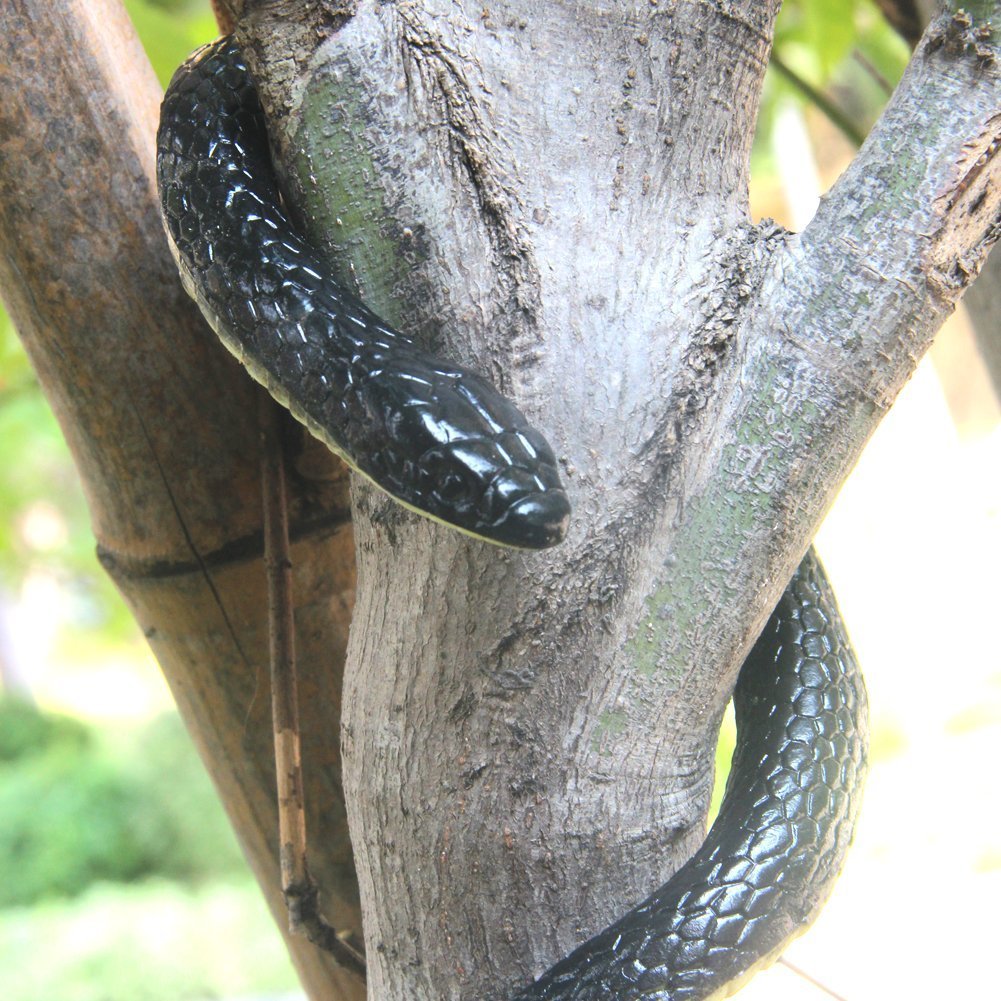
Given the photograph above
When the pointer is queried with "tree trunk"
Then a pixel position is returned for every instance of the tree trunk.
(558, 196)
(161, 423)
(561, 199)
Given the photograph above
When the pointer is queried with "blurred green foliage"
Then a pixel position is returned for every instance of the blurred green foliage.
(844, 51)
(26, 732)
(39, 484)
(151, 942)
(121, 878)
(78, 806)
(35, 464)
(170, 30)
(821, 38)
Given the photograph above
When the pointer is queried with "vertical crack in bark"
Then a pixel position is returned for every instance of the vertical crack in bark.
(739, 270)
(969, 215)
(190, 542)
(500, 208)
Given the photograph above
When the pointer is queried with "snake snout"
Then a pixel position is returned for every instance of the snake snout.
(480, 487)
(537, 521)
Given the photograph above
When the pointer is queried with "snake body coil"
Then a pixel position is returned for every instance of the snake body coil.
(784, 826)
(436, 436)
(443, 441)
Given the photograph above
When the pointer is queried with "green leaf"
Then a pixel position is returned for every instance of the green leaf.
(170, 32)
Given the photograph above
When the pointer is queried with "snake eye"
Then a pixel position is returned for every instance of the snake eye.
(451, 488)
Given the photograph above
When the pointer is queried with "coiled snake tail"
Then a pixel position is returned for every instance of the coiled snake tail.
(782, 833)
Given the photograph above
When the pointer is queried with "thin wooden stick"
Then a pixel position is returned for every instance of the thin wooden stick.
(810, 980)
(224, 16)
(834, 114)
(302, 895)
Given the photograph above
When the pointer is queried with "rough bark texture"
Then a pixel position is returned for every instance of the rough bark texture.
(560, 198)
(556, 194)
(983, 301)
(161, 424)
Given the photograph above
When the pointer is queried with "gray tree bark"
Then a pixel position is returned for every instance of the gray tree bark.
(983, 303)
(560, 197)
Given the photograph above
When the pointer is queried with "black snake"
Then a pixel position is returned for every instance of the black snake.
(441, 440)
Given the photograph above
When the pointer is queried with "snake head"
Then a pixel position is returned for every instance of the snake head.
(498, 490)
(453, 448)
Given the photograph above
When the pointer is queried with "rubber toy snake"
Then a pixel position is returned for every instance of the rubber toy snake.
(441, 440)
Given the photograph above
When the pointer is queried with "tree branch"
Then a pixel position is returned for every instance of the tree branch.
(983, 301)
(827, 340)
(824, 104)
(161, 424)
(301, 893)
